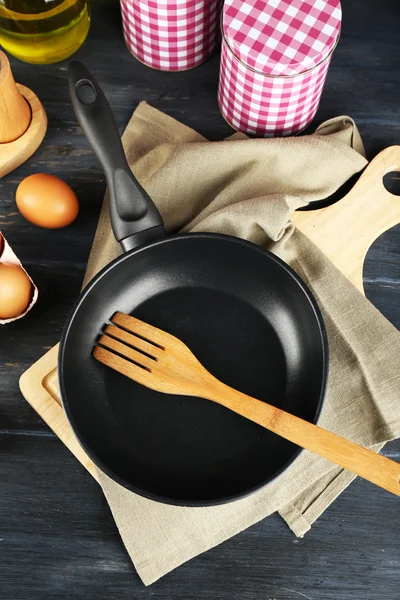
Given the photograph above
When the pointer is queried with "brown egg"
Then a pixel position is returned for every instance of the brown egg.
(15, 290)
(47, 201)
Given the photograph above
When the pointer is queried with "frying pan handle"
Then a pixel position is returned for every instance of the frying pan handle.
(134, 218)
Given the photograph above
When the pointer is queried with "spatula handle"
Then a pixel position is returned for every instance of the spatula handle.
(368, 464)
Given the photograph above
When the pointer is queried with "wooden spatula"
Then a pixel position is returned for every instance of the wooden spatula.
(160, 361)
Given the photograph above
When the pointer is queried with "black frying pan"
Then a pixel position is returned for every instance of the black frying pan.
(245, 314)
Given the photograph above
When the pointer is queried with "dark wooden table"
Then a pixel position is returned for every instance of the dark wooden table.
(57, 536)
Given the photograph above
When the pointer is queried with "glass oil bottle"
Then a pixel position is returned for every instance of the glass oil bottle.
(43, 31)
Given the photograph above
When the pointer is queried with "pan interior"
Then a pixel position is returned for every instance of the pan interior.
(246, 318)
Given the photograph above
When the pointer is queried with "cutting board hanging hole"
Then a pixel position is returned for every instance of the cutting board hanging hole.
(391, 181)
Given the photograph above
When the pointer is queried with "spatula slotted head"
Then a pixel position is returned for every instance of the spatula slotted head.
(150, 356)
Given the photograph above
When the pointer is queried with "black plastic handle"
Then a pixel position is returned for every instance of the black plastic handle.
(134, 218)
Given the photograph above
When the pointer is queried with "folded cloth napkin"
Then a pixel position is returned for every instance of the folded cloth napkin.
(249, 188)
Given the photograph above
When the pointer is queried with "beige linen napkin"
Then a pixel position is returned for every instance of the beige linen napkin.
(249, 188)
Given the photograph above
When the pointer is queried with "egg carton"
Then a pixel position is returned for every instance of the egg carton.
(7, 255)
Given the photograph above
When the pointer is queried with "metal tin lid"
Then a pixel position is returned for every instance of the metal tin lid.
(281, 37)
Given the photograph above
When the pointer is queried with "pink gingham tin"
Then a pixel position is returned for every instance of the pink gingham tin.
(274, 61)
(171, 35)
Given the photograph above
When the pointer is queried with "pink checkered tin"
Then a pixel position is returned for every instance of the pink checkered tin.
(274, 61)
(171, 35)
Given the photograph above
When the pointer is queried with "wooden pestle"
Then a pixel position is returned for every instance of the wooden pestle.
(15, 112)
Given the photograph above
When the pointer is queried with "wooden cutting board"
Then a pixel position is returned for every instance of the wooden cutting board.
(343, 231)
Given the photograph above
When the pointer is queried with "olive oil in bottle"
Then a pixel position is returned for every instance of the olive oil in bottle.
(43, 31)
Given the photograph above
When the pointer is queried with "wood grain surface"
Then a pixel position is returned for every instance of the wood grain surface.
(57, 536)
(358, 219)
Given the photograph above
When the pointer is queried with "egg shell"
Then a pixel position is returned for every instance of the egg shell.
(8, 256)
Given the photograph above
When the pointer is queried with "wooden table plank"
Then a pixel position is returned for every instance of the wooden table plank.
(58, 540)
